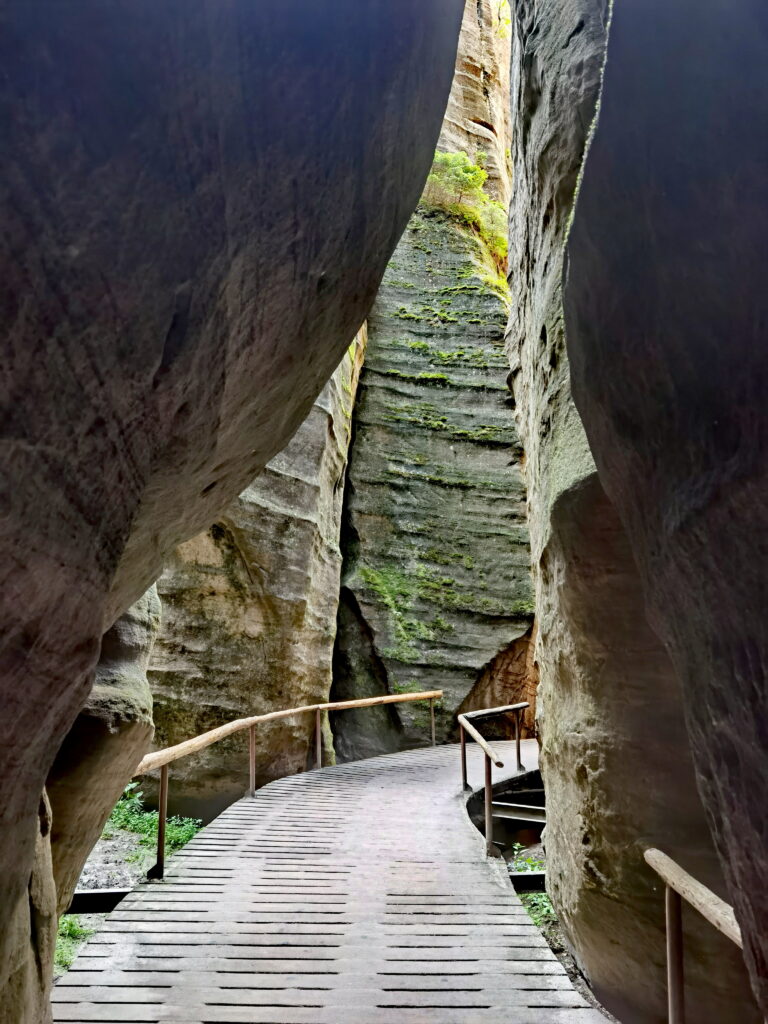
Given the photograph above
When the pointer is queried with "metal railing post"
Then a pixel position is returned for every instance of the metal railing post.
(520, 765)
(432, 717)
(673, 906)
(318, 739)
(488, 808)
(162, 813)
(252, 761)
(463, 737)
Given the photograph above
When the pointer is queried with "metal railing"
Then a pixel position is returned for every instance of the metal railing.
(491, 757)
(162, 758)
(679, 886)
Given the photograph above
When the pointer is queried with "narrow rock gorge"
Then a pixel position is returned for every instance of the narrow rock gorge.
(615, 753)
(249, 611)
(436, 580)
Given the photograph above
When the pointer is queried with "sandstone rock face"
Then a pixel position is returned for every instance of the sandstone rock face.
(250, 611)
(198, 204)
(666, 312)
(477, 120)
(436, 574)
(436, 579)
(109, 738)
(615, 759)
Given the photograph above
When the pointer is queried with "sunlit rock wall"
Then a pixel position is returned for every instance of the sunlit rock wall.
(615, 755)
(477, 120)
(249, 611)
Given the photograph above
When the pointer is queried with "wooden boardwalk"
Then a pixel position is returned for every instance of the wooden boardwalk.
(352, 895)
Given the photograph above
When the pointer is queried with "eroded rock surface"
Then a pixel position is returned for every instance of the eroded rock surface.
(666, 313)
(477, 121)
(250, 611)
(198, 204)
(436, 547)
(436, 579)
(615, 757)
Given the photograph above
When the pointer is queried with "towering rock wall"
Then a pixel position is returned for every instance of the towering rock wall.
(615, 755)
(667, 315)
(436, 585)
(198, 202)
(477, 120)
(249, 610)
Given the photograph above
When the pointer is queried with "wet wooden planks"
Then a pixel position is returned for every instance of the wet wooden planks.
(354, 894)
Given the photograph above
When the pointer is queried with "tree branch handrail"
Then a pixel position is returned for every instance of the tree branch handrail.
(162, 758)
(680, 885)
(490, 756)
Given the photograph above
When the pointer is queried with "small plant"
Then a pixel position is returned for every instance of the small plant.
(540, 909)
(130, 815)
(70, 936)
(521, 861)
(455, 186)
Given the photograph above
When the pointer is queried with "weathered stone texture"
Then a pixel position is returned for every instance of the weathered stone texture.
(198, 203)
(667, 311)
(477, 120)
(250, 611)
(436, 547)
(109, 738)
(615, 757)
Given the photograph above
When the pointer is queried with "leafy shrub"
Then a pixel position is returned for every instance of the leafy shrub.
(129, 814)
(455, 186)
(539, 907)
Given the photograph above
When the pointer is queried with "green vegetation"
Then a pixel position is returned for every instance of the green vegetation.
(540, 909)
(129, 814)
(522, 861)
(70, 936)
(455, 187)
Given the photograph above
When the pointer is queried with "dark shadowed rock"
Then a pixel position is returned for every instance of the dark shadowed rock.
(199, 199)
(109, 738)
(615, 761)
(667, 311)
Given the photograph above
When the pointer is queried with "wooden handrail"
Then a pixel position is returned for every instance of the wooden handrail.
(679, 886)
(490, 756)
(162, 758)
(167, 755)
(487, 748)
(709, 905)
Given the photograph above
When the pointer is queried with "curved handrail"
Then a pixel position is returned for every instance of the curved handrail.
(680, 885)
(465, 726)
(168, 755)
(162, 758)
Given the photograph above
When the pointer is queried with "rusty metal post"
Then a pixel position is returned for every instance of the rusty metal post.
(318, 739)
(158, 870)
(432, 717)
(520, 765)
(673, 906)
(488, 808)
(252, 761)
(463, 737)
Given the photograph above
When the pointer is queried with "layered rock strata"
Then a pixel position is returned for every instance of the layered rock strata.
(249, 611)
(667, 311)
(477, 120)
(615, 756)
(436, 576)
(198, 204)
(436, 580)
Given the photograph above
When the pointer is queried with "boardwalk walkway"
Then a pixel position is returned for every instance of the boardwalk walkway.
(352, 895)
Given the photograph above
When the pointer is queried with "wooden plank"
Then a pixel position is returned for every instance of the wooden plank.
(321, 900)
